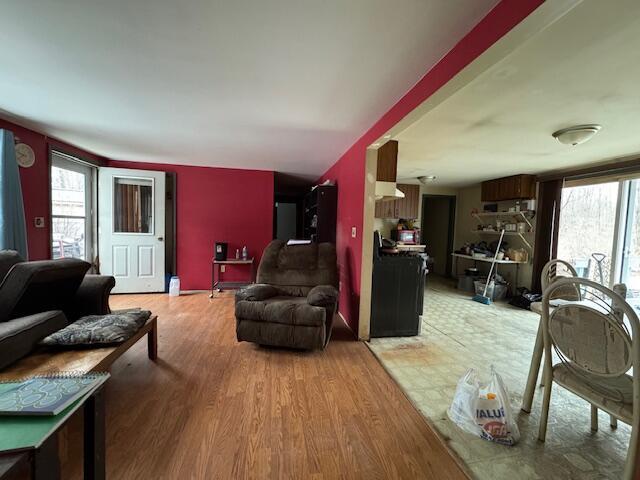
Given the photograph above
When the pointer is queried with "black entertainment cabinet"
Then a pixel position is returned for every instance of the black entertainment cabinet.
(320, 210)
(397, 293)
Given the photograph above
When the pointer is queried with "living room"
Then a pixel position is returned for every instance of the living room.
(187, 215)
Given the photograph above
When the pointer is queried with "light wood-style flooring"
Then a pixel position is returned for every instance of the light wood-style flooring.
(213, 408)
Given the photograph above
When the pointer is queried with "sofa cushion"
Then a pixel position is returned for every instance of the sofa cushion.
(283, 310)
(20, 336)
(99, 330)
(43, 285)
(8, 258)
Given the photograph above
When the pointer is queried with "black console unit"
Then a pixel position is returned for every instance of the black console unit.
(397, 294)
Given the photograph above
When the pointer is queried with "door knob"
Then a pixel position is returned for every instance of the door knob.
(160, 239)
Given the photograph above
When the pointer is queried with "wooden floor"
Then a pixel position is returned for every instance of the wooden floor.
(215, 408)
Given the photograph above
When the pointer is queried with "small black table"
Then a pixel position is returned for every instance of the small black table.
(216, 283)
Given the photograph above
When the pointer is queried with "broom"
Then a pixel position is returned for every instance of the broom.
(483, 298)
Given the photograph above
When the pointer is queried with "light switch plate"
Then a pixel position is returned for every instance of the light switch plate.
(353, 232)
(38, 222)
(222, 269)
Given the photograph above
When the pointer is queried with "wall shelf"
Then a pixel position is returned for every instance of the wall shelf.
(522, 215)
(518, 234)
(487, 259)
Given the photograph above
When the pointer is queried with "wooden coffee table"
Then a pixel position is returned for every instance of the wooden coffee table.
(47, 360)
(44, 462)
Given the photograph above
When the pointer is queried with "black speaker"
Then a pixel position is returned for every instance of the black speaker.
(220, 251)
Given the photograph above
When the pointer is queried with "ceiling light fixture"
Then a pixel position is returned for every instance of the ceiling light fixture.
(576, 135)
(426, 179)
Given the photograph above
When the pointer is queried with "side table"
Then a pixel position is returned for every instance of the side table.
(217, 283)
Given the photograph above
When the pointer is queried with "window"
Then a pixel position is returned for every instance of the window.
(599, 232)
(71, 207)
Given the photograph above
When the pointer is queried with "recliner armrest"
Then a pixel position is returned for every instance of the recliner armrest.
(323, 296)
(256, 292)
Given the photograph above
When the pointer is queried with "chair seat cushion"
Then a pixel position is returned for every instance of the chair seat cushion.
(99, 330)
(281, 309)
(615, 393)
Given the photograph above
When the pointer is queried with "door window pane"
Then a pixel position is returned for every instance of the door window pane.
(68, 237)
(69, 209)
(67, 192)
(586, 230)
(132, 205)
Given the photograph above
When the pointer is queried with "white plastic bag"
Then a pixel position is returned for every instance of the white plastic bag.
(484, 409)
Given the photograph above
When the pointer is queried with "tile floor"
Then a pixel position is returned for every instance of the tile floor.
(457, 334)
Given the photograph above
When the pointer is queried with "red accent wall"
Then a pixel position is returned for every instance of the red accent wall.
(216, 204)
(35, 185)
(348, 172)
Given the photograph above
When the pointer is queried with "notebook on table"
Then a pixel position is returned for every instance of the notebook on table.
(27, 431)
(46, 395)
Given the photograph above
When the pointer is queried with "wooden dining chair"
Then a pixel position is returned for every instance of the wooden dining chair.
(597, 342)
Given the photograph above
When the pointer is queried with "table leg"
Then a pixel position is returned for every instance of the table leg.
(46, 464)
(534, 369)
(213, 278)
(152, 342)
(94, 437)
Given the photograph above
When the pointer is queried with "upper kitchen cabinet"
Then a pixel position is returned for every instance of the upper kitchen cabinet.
(387, 162)
(516, 187)
(406, 207)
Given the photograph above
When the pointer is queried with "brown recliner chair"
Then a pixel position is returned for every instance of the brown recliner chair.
(295, 299)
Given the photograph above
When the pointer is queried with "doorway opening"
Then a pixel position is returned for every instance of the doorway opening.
(438, 227)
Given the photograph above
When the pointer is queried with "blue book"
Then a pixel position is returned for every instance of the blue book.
(46, 395)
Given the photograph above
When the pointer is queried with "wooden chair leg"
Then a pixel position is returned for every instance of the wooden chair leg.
(546, 400)
(594, 418)
(613, 421)
(632, 455)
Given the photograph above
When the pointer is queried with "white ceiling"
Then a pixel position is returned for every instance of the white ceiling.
(286, 85)
(584, 68)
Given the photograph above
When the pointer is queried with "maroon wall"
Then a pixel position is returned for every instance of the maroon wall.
(35, 185)
(216, 204)
(348, 172)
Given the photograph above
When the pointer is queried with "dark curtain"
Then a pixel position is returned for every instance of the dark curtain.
(548, 215)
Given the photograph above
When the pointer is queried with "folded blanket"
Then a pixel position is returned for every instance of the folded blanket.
(99, 330)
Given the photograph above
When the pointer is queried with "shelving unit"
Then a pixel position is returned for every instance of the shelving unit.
(506, 234)
(486, 259)
(319, 218)
(523, 215)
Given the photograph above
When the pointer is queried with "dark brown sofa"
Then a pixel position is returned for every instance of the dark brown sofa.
(39, 298)
(295, 299)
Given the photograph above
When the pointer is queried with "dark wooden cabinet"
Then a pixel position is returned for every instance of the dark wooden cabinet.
(516, 187)
(320, 212)
(406, 207)
(387, 162)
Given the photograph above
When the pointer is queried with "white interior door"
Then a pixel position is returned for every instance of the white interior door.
(131, 230)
